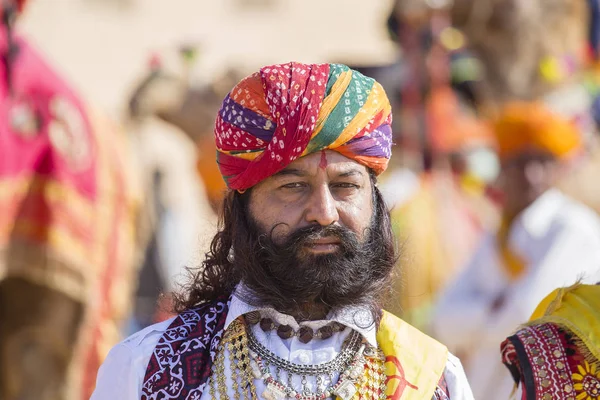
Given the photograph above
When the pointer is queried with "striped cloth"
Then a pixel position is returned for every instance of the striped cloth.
(287, 111)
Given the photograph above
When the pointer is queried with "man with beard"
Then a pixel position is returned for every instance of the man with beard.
(287, 302)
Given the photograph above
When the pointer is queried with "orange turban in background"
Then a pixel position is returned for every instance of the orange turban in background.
(525, 125)
(452, 129)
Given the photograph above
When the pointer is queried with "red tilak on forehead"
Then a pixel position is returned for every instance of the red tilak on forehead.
(323, 163)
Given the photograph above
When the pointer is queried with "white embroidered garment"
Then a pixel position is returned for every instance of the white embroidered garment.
(560, 240)
(122, 374)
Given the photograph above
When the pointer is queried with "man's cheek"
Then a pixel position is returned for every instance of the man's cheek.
(279, 232)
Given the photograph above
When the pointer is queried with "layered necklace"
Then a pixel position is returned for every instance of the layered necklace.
(360, 368)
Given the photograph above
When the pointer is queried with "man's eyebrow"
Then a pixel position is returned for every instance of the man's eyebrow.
(302, 173)
(291, 171)
(351, 172)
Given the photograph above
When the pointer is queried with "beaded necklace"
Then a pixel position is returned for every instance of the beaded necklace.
(362, 375)
(304, 334)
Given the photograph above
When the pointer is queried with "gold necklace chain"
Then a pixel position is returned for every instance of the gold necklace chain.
(371, 385)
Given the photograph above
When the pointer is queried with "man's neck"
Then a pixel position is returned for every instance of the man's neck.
(310, 312)
(509, 215)
(307, 311)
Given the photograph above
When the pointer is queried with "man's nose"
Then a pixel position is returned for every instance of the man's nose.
(322, 207)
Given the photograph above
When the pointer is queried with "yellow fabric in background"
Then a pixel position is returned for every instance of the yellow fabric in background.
(577, 309)
(513, 263)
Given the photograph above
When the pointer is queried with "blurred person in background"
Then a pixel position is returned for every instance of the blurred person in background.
(172, 97)
(288, 302)
(556, 355)
(555, 62)
(440, 225)
(171, 119)
(546, 240)
(440, 210)
(68, 204)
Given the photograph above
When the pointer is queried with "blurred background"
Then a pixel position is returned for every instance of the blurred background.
(103, 46)
(108, 182)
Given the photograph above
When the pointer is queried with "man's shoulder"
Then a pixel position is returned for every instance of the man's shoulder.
(578, 217)
(555, 212)
(396, 336)
(122, 372)
(150, 333)
(422, 359)
(401, 333)
(142, 343)
(583, 212)
(190, 316)
(456, 380)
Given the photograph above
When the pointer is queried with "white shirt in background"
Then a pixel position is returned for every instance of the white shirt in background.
(560, 240)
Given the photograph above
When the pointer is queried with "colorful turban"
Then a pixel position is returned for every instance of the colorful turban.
(287, 111)
(524, 125)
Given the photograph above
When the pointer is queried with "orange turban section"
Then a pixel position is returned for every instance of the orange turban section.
(523, 126)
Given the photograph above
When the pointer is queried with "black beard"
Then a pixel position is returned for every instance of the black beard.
(308, 286)
(287, 277)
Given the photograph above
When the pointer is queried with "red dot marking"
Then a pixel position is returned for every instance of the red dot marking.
(323, 163)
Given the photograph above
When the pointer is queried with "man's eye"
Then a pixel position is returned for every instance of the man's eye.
(346, 185)
(293, 185)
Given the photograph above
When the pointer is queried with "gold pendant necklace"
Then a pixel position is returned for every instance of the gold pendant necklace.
(364, 379)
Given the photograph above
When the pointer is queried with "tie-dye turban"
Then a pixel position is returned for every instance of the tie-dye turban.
(287, 111)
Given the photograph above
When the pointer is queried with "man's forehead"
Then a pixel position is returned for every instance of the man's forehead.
(331, 161)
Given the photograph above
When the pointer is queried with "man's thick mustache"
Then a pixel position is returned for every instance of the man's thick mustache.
(347, 239)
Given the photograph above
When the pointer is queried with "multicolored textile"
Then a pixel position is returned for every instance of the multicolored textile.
(577, 309)
(181, 362)
(67, 202)
(209, 172)
(557, 356)
(287, 111)
(442, 392)
(522, 125)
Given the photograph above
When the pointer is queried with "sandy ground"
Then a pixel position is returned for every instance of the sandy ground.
(104, 45)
